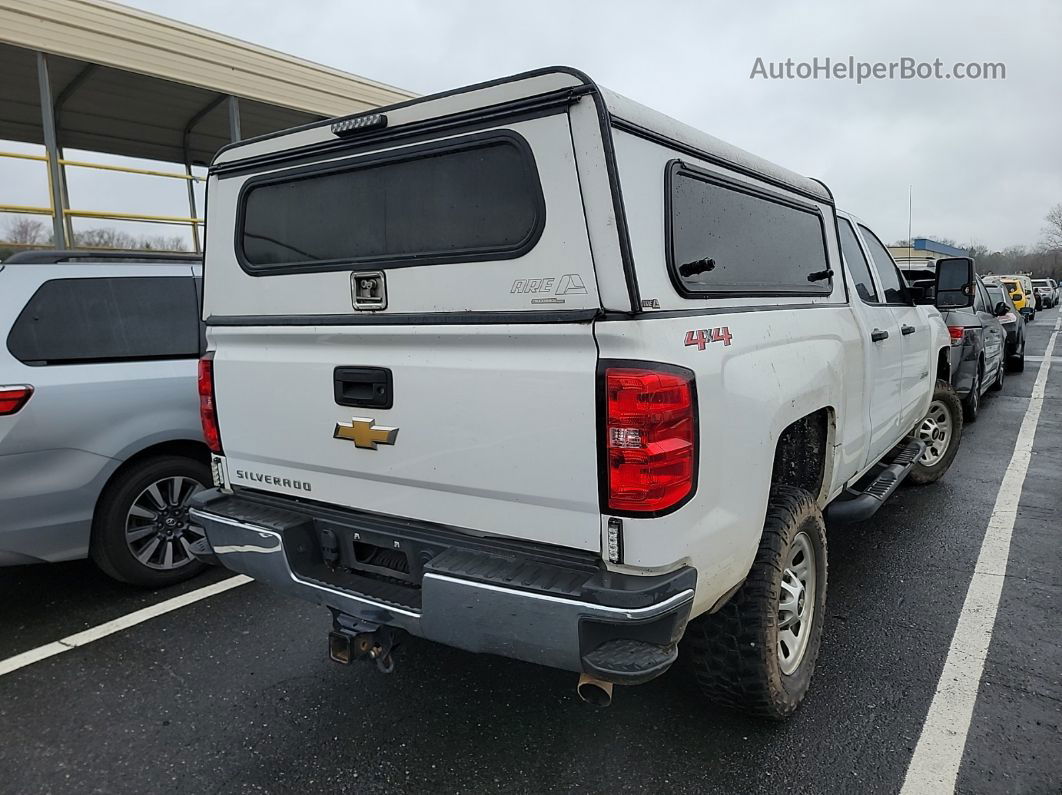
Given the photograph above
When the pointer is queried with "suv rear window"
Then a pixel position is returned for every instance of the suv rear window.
(745, 241)
(71, 321)
(475, 199)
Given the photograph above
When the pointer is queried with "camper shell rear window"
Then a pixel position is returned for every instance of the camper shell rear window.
(469, 199)
(728, 238)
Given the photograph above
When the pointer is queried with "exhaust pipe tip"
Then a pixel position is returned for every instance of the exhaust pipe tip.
(594, 691)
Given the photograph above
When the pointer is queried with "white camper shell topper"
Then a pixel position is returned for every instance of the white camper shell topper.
(529, 369)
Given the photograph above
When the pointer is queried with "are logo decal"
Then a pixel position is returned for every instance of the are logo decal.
(568, 284)
(702, 337)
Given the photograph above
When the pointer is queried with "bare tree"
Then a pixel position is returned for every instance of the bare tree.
(163, 243)
(105, 237)
(27, 231)
(1053, 230)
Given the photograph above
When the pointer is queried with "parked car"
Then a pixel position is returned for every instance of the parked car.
(1021, 293)
(978, 359)
(524, 413)
(101, 445)
(1047, 290)
(1013, 325)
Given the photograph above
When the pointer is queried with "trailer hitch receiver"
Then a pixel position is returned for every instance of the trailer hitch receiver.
(362, 641)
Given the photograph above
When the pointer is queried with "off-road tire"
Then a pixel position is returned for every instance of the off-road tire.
(922, 474)
(734, 651)
(108, 547)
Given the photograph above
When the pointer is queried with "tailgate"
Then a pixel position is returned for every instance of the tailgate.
(467, 397)
(495, 424)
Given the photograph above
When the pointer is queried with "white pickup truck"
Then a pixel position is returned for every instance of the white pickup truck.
(529, 369)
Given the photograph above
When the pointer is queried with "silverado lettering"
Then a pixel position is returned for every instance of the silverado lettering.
(272, 480)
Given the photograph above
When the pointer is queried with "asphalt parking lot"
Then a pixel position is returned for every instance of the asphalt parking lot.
(234, 693)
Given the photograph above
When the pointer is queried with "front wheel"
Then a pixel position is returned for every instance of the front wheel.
(941, 430)
(140, 533)
(758, 651)
(1017, 361)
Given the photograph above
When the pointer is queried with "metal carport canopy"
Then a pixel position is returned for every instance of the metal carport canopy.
(130, 83)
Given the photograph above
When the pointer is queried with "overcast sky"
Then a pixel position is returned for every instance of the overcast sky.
(984, 157)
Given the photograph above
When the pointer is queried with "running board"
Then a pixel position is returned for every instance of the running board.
(862, 501)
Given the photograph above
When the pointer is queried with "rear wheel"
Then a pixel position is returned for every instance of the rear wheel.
(140, 532)
(758, 651)
(941, 430)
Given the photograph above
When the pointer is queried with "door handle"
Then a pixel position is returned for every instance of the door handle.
(363, 387)
(877, 335)
(905, 330)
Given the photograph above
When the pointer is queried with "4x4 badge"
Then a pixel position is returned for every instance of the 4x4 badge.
(365, 433)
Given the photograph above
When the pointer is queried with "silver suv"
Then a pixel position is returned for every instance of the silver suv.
(101, 444)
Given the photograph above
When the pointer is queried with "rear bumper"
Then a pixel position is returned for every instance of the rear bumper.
(539, 604)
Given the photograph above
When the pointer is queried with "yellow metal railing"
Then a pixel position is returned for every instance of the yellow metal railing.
(49, 210)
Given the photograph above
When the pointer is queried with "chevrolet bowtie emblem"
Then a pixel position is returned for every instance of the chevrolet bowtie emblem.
(365, 433)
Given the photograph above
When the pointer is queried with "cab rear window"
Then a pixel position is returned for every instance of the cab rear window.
(477, 198)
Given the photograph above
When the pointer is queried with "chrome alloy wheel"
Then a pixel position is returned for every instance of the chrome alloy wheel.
(156, 527)
(936, 431)
(796, 604)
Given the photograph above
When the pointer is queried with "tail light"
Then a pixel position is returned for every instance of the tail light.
(208, 411)
(13, 398)
(957, 334)
(650, 438)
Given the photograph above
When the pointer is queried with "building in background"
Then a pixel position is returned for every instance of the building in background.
(923, 250)
(102, 77)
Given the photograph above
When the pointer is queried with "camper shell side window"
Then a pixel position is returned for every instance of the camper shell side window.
(726, 238)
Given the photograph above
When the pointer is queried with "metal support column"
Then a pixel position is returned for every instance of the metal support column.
(52, 151)
(234, 119)
(191, 202)
(57, 112)
(186, 151)
(68, 222)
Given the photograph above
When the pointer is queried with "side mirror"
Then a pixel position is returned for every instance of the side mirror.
(954, 283)
(1002, 309)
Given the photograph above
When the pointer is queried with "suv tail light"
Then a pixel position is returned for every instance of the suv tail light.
(12, 398)
(957, 334)
(208, 411)
(650, 438)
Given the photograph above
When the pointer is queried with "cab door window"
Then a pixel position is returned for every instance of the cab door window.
(856, 262)
(892, 285)
(982, 303)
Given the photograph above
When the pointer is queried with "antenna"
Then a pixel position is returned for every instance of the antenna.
(910, 212)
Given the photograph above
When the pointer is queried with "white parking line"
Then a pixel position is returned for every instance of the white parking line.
(935, 765)
(118, 624)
